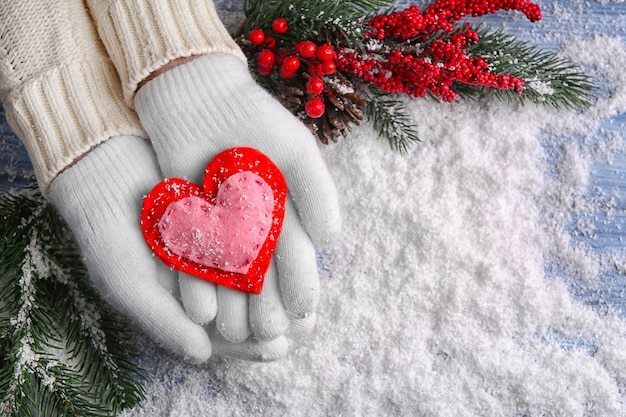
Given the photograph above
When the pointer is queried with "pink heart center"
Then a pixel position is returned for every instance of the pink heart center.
(227, 235)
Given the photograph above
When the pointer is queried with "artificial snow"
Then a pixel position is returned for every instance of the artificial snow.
(449, 292)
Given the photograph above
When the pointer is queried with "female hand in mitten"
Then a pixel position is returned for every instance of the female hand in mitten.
(100, 197)
(210, 103)
(64, 100)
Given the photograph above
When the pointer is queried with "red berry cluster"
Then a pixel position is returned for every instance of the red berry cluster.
(441, 15)
(305, 56)
(439, 63)
(454, 10)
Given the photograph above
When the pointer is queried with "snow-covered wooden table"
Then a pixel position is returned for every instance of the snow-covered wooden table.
(481, 274)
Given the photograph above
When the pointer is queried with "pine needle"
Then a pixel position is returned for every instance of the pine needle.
(549, 78)
(391, 120)
(329, 20)
(63, 352)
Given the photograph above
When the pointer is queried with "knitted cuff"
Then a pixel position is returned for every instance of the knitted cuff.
(65, 112)
(114, 175)
(143, 35)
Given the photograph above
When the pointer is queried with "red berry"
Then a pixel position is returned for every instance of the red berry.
(257, 36)
(325, 52)
(315, 69)
(315, 107)
(270, 42)
(306, 49)
(329, 67)
(290, 64)
(267, 58)
(280, 25)
(315, 86)
(285, 73)
(265, 69)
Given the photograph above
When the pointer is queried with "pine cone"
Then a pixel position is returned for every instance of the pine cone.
(344, 109)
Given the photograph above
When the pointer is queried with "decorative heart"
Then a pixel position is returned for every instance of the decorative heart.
(225, 231)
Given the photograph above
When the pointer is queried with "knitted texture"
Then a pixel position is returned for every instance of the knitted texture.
(61, 93)
(199, 108)
(100, 198)
(143, 35)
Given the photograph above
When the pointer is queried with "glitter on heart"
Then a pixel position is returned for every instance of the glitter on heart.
(226, 231)
(227, 235)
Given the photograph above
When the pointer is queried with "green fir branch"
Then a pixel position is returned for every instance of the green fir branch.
(330, 20)
(391, 120)
(63, 352)
(549, 78)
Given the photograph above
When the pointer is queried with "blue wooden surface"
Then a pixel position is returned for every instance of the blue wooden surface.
(16, 170)
(602, 231)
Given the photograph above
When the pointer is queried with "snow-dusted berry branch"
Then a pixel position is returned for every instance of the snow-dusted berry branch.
(331, 62)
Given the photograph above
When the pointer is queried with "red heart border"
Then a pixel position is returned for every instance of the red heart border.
(225, 164)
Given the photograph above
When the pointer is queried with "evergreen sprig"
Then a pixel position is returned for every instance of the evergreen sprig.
(330, 20)
(63, 352)
(391, 120)
(550, 79)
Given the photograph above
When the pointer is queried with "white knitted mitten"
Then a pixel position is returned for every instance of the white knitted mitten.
(100, 197)
(209, 104)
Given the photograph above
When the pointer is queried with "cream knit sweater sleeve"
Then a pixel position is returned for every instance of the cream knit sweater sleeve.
(143, 35)
(60, 90)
